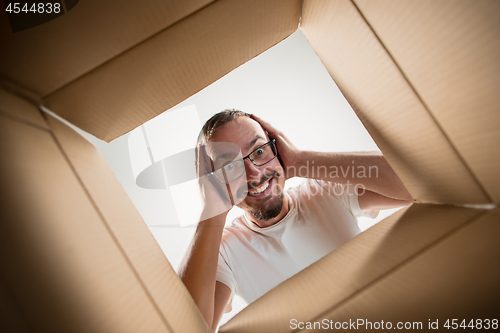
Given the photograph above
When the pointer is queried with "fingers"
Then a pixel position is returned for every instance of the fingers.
(206, 165)
(265, 125)
(204, 162)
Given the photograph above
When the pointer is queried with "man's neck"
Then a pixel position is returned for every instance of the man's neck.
(268, 223)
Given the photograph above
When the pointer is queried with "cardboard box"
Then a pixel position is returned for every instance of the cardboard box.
(422, 76)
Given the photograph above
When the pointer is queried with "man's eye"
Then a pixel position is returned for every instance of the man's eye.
(229, 167)
(259, 151)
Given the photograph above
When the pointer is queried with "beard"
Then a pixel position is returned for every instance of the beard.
(269, 207)
(269, 210)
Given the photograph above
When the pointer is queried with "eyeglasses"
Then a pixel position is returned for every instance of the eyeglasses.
(235, 169)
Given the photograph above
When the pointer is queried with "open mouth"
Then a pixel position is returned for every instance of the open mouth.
(263, 190)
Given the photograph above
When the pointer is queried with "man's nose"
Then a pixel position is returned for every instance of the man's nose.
(253, 171)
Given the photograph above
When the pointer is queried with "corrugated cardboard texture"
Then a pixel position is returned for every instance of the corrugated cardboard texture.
(456, 278)
(75, 256)
(387, 104)
(110, 92)
(17, 108)
(453, 62)
(59, 257)
(131, 233)
(376, 256)
(49, 56)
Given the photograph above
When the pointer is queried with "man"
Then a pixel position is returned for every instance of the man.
(280, 233)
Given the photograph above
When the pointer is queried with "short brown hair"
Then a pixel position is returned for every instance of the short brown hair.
(220, 119)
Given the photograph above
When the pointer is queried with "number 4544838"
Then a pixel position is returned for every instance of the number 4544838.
(40, 8)
(473, 323)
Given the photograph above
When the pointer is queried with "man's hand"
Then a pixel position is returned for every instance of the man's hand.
(384, 189)
(198, 269)
(287, 151)
(216, 196)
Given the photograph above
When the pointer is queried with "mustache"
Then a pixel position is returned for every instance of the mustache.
(242, 191)
(263, 179)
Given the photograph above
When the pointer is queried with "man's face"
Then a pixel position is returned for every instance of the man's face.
(265, 183)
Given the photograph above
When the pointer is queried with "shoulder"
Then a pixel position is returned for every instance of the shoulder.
(319, 193)
(316, 189)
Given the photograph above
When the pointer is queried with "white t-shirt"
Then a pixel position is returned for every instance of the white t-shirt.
(322, 217)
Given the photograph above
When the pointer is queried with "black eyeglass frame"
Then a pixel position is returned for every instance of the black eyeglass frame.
(273, 142)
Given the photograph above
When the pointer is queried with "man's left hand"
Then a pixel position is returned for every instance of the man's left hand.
(287, 151)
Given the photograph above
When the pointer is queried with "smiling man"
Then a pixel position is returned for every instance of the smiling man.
(244, 161)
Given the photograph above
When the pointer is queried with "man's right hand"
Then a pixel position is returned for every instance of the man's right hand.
(216, 195)
(198, 269)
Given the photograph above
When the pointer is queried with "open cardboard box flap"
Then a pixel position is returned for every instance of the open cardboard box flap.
(417, 264)
(433, 117)
(75, 255)
(422, 77)
(109, 67)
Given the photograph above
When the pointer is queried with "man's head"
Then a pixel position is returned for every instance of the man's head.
(265, 183)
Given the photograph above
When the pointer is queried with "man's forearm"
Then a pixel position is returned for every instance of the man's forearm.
(199, 267)
(368, 169)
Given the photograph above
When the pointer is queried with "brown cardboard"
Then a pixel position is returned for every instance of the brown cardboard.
(75, 256)
(11, 317)
(455, 278)
(129, 230)
(15, 107)
(93, 72)
(49, 56)
(59, 258)
(172, 65)
(387, 104)
(453, 63)
(370, 257)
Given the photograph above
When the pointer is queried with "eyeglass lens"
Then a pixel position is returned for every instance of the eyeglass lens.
(230, 171)
(235, 169)
(263, 154)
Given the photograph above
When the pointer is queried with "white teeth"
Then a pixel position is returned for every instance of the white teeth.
(260, 189)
